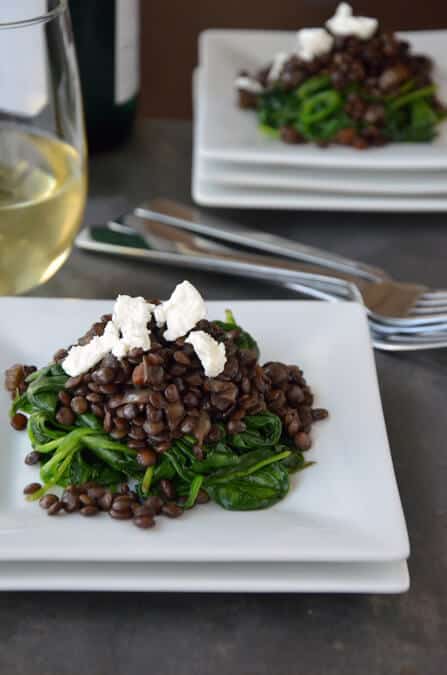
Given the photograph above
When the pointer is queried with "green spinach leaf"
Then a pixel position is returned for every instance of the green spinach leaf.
(164, 469)
(194, 488)
(263, 430)
(82, 471)
(257, 490)
(249, 463)
(245, 340)
(217, 457)
(295, 462)
(116, 455)
(42, 429)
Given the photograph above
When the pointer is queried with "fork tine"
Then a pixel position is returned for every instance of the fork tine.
(410, 338)
(429, 311)
(432, 297)
(434, 294)
(434, 305)
(384, 344)
(417, 329)
(417, 339)
(415, 320)
(408, 343)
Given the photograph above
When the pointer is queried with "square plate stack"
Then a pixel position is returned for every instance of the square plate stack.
(236, 166)
(340, 529)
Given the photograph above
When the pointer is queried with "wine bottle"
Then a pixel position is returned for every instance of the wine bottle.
(106, 35)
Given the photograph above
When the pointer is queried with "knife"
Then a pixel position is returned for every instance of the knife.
(146, 239)
(184, 217)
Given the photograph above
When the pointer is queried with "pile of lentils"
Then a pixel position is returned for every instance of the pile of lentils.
(148, 399)
(380, 65)
(90, 499)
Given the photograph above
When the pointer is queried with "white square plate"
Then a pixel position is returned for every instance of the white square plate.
(228, 174)
(391, 577)
(346, 508)
(231, 134)
(245, 185)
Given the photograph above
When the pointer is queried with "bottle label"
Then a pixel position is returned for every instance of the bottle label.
(127, 52)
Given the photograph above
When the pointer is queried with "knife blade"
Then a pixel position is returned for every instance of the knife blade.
(185, 217)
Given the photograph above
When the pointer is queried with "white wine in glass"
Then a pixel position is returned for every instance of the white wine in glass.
(42, 146)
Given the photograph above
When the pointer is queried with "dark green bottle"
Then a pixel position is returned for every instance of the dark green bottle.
(107, 39)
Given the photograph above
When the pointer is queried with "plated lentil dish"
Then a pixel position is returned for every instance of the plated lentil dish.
(348, 83)
(157, 409)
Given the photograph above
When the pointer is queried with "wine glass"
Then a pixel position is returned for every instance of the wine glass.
(42, 144)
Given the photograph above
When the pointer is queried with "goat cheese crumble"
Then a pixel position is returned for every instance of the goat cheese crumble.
(210, 352)
(344, 23)
(128, 329)
(184, 309)
(277, 66)
(313, 42)
(131, 316)
(83, 357)
(248, 84)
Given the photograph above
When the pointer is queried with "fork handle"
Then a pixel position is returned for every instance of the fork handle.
(178, 215)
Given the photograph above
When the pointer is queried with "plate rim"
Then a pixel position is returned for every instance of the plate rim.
(387, 578)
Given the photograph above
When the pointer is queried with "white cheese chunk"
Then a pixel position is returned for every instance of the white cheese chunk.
(131, 316)
(83, 357)
(248, 84)
(127, 330)
(277, 66)
(184, 309)
(344, 23)
(210, 352)
(313, 42)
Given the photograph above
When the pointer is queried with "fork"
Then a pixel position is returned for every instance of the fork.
(166, 244)
(389, 338)
(388, 302)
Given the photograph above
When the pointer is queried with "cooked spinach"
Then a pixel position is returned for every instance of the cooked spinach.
(218, 456)
(194, 488)
(116, 455)
(82, 471)
(263, 430)
(248, 464)
(257, 490)
(41, 428)
(245, 340)
(317, 111)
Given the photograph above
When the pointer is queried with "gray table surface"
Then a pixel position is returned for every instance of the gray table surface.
(198, 634)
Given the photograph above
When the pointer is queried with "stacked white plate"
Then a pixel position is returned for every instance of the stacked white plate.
(236, 166)
(340, 529)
